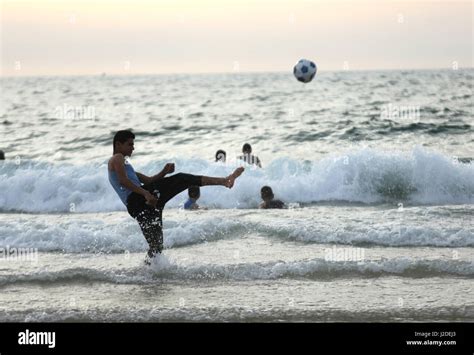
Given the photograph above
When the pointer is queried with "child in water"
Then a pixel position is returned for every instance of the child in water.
(269, 199)
(194, 193)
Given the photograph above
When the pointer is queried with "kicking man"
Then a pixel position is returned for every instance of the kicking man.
(145, 202)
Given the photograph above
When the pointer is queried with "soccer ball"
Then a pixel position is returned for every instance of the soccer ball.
(304, 70)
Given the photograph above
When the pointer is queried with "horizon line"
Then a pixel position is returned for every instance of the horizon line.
(9, 76)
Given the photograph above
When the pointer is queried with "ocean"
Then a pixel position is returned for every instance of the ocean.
(375, 167)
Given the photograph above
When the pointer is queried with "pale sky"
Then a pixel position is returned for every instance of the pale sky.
(46, 37)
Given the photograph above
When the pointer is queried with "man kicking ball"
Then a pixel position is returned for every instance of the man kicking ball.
(145, 202)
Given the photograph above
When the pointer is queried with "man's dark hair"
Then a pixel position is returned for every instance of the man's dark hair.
(266, 191)
(220, 154)
(194, 191)
(122, 136)
(246, 148)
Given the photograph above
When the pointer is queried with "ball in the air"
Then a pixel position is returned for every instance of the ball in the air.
(304, 70)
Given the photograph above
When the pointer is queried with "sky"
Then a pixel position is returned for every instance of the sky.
(201, 36)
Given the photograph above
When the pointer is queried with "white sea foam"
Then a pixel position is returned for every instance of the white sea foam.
(117, 233)
(367, 175)
(165, 268)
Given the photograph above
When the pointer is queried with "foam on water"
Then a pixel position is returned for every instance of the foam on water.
(94, 235)
(121, 233)
(166, 268)
(366, 175)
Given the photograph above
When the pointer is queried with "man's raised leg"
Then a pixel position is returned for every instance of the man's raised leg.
(173, 185)
(227, 181)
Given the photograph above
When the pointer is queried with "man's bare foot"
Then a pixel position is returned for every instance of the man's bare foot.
(229, 181)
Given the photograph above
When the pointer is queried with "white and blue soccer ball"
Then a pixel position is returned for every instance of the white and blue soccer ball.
(305, 70)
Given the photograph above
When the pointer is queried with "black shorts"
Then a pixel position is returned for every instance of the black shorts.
(165, 189)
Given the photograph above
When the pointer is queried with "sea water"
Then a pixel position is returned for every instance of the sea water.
(374, 167)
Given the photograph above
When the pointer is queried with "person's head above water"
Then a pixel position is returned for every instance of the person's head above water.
(194, 192)
(269, 200)
(221, 155)
(123, 142)
(246, 149)
(266, 193)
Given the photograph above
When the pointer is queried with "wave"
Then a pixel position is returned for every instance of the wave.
(119, 234)
(394, 236)
(315, 269)
(428, 128)
(95, 235)
(366, 176)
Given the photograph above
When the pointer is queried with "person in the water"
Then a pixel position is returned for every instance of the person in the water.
(146, 202)
(194, 192)
(248, 157)
(221, 156)
(269, 199)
